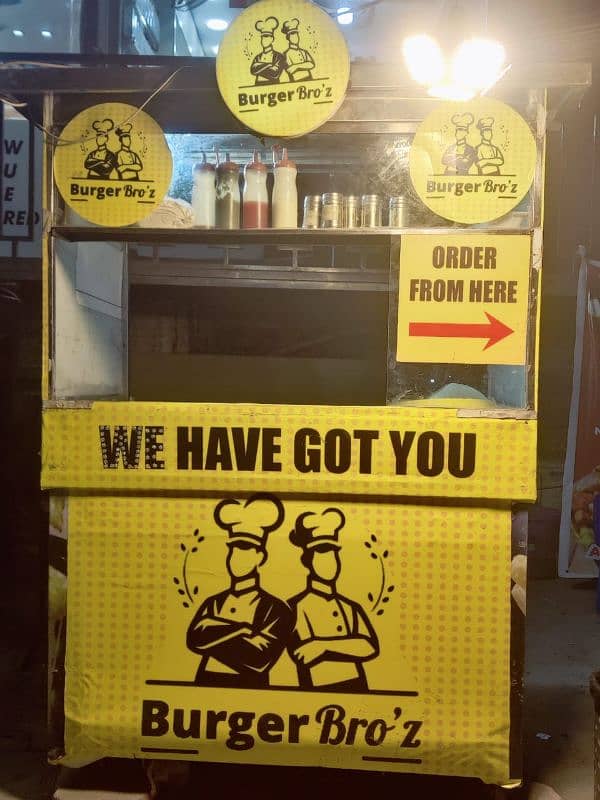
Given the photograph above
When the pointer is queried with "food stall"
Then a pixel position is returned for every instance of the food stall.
(288, 462)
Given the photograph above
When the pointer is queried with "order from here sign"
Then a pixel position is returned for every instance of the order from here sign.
(283, 67)
(463, 299)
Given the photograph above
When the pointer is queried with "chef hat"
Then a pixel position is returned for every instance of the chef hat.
(312, 530)
(463, 121)
(485, 123)
(290, 26)
(103, 125)
(124, 130)
(268, 25)
(250, 521)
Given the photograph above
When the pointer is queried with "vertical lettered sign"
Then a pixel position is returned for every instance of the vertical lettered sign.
(18, 216)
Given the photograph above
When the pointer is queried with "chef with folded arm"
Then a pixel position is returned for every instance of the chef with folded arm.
(241, 632)
(269, 65)
(333, 636)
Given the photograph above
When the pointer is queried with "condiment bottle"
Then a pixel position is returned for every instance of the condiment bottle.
(204, 194)
(285, 194)
(228, 194)
(256, 198)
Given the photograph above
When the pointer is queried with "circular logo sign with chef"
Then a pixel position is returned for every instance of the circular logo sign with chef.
(112, 164)
(473, 162)
(283, 67)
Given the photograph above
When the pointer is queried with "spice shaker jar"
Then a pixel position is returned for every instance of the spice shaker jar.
(352, 211)
(255, 211)
(371, 215)
(398, 212)
(228, 194)
(204, 196)
(332, 210)
(312, 211)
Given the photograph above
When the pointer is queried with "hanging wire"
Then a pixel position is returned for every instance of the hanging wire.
(59, 141)
(6, 293)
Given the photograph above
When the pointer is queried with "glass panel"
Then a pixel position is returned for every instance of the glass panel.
(34, 26)
(294, 317)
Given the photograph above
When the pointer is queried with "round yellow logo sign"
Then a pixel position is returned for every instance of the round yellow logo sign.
(472, 162)
(283, 67)
(112, 164)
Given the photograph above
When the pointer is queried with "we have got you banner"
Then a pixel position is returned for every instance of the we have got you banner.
(263, 630)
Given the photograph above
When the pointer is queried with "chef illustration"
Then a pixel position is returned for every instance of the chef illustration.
(269, 65)
(241, 632)
(332, 637)
(299, 62)
(489, 157)
(460, 157)
(129, 164)
(101, 162)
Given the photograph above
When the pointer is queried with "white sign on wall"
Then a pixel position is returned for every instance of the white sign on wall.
(20, 187)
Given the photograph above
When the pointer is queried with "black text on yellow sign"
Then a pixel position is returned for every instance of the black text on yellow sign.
(114, 165)
(473, 162)
(336, 451)
(283, 67)
(463, 299)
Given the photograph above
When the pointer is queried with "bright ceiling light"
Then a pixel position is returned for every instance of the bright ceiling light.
(345, 16)
(47, 34)
(451, 91)
(478, 63)
(424, 59)
(18, 33)
(217, 24)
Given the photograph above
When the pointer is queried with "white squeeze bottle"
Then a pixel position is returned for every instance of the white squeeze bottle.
(204, 198)
(285, 193)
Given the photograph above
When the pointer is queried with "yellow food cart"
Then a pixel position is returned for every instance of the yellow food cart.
(288, 464)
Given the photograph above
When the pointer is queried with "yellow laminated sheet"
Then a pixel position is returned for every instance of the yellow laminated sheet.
(289, 631)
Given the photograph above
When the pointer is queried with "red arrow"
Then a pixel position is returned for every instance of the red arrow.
(494, 330)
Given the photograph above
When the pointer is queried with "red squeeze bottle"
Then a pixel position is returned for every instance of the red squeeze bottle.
(255, 196)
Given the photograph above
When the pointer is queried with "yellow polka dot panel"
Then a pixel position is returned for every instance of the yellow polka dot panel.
(420, 452)
(262, 629)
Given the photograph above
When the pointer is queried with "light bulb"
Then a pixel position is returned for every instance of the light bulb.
(345, 16)
(478, 63)
(217, 24)
(424, 59)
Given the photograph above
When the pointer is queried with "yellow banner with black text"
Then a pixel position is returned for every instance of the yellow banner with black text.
(421, 452)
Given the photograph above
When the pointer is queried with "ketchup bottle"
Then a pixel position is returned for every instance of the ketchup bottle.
(255, 197)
